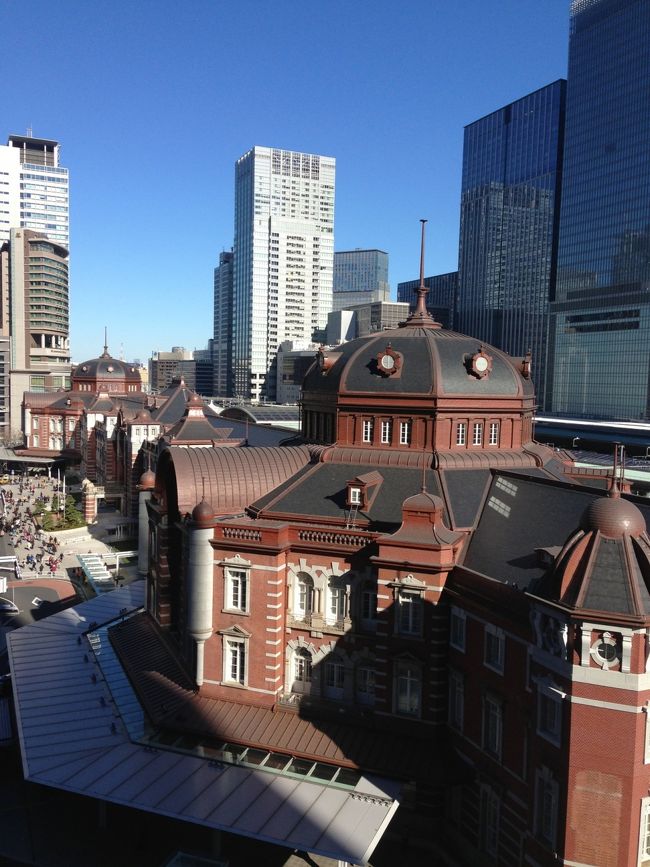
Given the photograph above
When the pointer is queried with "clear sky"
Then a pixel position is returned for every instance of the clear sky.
(154, 100)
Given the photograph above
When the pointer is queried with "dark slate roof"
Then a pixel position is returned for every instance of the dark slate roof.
(106, 368)
(433, 362)
(321, 491)
(520, 515)
(466, 489)
(175, 398)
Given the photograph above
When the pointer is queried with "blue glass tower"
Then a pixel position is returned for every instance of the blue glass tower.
(601, 311)
(512, 161)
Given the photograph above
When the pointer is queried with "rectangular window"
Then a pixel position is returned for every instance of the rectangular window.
(35, 424)
(408, 689)
(71, 425)
(410, 613)
(405, 433)
(492, 726)
(549, 715)
(477, 433)
(368, 426)
(494, 648)
(237, 590)
(494, 433)
(35, 441)
(366, 685)
(456, 699)
(369, 605)
(461, 433)
(235, 668)
(546, 797)
(457, 629)
(386, 431)
(489, 827)
(644, 836)
(355, 496)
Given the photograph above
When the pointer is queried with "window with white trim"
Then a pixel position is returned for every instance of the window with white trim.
(409, 607)
(369, 605)
(355, 496)
(405, 433)
(408, 688)
(644, 834)
(35, 424)
(495, 645)
(302, 668)
(494, 433)
(457, 625)
(549, 714)
(386, 432)
(461, 433)
(365, 692)
(477, 433)
(35, 441)
(368, 427)
(492, 725)
(335, 603)
(546, 803)
(304, 595)
(489, 821)
(456, 699)
(236, 589)
(334, 677)
(234, 663)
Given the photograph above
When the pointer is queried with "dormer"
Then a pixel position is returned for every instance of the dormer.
(362, 490)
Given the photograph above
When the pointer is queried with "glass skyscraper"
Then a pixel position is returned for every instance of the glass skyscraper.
(360, 277)
(512, 167)
(441, 297)
(601, 312)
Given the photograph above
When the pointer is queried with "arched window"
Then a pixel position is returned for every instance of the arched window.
(334, 677)
(304, 597)
(302, 671)
(335, 603)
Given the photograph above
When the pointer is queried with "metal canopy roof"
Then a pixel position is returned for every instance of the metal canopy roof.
(74, 717)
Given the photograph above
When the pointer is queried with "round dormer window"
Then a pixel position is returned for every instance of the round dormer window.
(605, 651)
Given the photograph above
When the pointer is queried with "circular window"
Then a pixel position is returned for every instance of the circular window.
(605, 651)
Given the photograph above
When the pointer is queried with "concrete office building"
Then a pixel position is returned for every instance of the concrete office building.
(222, 333)
(283, 259)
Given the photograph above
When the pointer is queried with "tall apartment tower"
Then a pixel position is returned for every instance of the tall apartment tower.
(512, 167)
(283, 259)
(34, 326)
(42, 185)
(601, 312)
(222, 335)
(360, 277)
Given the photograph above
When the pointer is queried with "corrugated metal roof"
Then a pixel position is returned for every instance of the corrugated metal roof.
(74, 735)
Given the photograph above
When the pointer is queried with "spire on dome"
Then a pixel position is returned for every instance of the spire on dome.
(105, 353)
(421, 316)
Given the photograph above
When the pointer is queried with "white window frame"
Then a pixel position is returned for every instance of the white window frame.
(34, 423)
(477, 433)
(644, 832)
(405, 433)
(333, 677)
(335, 603)
(355, 495)
(409, 613)
(408, 702)
(461, 434)
(495, 430)
(549, 714)
(457, 637)
(365, 685)
(304, 595)
(546, 807)
(386, 432)
(237, 589)
(492, 734)
(368, 427)
(494, 648)
(456, 699)
(35, 441)
(235, 659)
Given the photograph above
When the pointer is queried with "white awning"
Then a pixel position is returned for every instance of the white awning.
(76, 719)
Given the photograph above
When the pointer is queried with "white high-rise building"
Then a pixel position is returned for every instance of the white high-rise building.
(38, 188)
(283, 259)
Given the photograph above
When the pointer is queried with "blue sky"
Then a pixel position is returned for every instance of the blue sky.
(153, 101)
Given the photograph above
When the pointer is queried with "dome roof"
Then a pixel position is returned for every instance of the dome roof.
(203, 515)
(147, 480)
(424, 361)
(614, 517)
(106, 368)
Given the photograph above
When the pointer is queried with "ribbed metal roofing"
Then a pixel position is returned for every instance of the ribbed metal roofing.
(70, 697)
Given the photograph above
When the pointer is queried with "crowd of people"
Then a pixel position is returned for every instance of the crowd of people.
(34, 549)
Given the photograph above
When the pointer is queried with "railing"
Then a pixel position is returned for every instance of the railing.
(332, 537)
(242, 533)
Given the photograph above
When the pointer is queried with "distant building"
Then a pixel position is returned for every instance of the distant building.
(283, 256)
(223, 325)
(601, 307)
(165, 367)
(441, 297)
(34, 325)
(512, 168)
(360, 276)
(364, 319)
(341, 326)
(42, 184)
(294, 360)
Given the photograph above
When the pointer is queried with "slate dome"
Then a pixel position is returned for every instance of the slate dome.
(106, 369)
